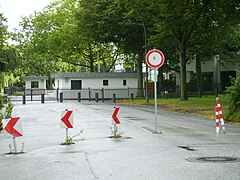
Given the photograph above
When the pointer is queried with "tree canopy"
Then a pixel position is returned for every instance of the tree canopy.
(92, 35)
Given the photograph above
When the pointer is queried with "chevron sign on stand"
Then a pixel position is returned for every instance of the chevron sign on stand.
(13, 127)
(114, 115)
(67, 119)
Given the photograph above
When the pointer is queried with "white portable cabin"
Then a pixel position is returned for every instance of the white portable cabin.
(35, 84)
(89, 83)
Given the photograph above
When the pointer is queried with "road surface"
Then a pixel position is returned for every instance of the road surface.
(188, 147)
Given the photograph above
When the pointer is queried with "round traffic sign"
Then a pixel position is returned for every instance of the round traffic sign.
(155, 58)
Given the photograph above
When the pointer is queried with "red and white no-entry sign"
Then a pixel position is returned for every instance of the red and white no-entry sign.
(155, 58)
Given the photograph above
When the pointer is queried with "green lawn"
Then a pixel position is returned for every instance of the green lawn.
(204, 106)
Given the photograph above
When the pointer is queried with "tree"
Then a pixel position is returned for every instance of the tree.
(3, 38)
(58, 39)
(215, 34)
(193, 24)
(180, 19)
(8, 54)
(232, 93)
(46, 38)
(121, 23)
(72, 35)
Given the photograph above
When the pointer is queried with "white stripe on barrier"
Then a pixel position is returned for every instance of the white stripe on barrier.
(220, 115)
(217, 120)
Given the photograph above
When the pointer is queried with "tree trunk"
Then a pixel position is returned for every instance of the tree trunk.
(199, 76)
(1, 81)
(91, 68)
(140, 74)
(91, 58)
(183, 60)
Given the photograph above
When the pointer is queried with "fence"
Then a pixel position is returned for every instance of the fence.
(32, 95)
(92, 94)
(69, 94)
(170, 91)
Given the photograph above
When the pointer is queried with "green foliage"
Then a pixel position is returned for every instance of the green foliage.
(204, 106)
(69, 141)
(1, 118)
(234, 117)
(168, 82)
(6, 53)
(8, 112)
(72, 139)
(2, 101)
(233, 94)
(59, 40)
(48, 41)
(73, 35)
(3, 31)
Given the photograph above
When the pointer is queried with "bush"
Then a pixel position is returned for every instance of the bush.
(233, 96)
(1, 118)
(2, 101)
(7, 114)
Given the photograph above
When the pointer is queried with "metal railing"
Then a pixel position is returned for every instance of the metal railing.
(103, 94)
(95, 94)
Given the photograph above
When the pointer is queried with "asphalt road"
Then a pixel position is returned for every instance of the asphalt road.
(188, 147)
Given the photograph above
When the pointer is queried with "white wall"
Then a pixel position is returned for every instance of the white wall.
(41, 83)
(41, 87)
(97, 83)
(115, 85)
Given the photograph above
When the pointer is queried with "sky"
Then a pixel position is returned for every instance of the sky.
(14, 9)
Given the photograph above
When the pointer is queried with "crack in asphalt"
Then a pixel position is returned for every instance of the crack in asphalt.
(91, 168)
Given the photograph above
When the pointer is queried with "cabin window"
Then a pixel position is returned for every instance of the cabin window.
(124, 82)
(34, 84)
(76, 84)
(105, 82)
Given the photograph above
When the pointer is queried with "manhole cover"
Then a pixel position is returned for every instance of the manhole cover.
(214, 159)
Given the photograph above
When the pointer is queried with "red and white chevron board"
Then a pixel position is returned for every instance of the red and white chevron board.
(13, 127)
(114, 115)
(67, 119)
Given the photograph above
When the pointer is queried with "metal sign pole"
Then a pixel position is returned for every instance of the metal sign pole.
(155, 59)
(155, 99)
(14, 144)
(66, 135)
(115, 130)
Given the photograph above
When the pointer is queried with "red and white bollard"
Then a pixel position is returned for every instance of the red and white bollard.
(217, 120)
(220, 115)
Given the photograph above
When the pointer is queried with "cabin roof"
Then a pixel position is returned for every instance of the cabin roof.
(94, 75)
